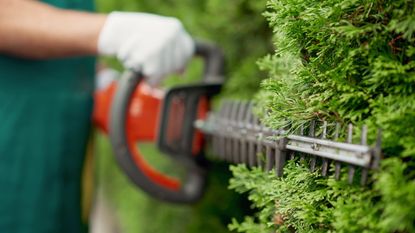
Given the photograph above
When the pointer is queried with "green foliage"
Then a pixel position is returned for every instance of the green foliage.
(306, 202)
(397, 189)
(348, 61)
(344, 61)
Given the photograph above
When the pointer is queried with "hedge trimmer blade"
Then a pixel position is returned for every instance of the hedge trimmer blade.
(237, 136)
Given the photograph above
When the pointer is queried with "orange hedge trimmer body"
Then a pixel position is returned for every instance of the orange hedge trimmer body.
(130, 111)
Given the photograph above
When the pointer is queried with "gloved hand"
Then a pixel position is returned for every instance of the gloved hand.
(152, 44)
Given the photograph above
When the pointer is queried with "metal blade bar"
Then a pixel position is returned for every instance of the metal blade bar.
(238, 136)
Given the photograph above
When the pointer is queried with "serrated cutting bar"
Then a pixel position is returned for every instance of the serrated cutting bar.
(237, 136)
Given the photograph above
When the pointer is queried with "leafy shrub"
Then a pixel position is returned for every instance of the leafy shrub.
(345, 61)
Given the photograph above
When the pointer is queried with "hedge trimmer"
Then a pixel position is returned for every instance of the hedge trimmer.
(179, 120)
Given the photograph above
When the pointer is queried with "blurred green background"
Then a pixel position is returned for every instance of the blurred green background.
(137, 212)
(238, 27)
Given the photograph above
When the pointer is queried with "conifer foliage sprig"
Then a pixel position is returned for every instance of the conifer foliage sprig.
(349, 61)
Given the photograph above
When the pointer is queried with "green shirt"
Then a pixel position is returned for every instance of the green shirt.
(45, 111)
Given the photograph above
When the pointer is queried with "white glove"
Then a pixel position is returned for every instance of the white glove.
(152, 44)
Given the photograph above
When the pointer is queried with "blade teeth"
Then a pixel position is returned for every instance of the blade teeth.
(251, 154)
(249, 121)
(351, 173)
(349, 140)
(249, 115)
(364, 176)
(270, 159)
(243, 157)
(337, 131)
(242, 129)
(363, 138)
(313, 164)
(219, 140)
(215, 146)
(216, 139)
(302, 158)
(235, 142)
(228, 146)
(235, 150)
(337, 170)
(326, 162)
(363, 141)
(256, 126)
(312, 128)
(242, 112)
(300, 131)
(312, 134)
(259, 152)
(349, 133)
(324, 130)
(236, 134)
(378, 150)
(243, 154)
(337, 166)
(280, 157)
(240, 156)
(223, 109)
(324, 167)
(232, 141)
(225, 127)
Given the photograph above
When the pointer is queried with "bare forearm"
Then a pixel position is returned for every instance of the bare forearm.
(35, 30)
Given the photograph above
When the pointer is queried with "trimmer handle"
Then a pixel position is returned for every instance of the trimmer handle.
(214, 62)
(131, 161)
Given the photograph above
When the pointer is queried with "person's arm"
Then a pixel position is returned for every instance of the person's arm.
(36, 30)
(152, 44)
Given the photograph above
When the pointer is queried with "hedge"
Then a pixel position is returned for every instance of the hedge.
(348, 62)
